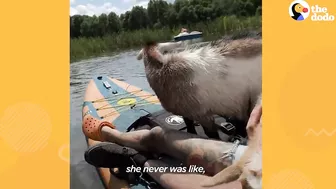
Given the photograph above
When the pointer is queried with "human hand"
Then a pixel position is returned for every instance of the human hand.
(254, 121)
(252, 169)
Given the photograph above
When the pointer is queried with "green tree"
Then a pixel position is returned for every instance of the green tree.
(179, 4)
(138, 18)
(94, 25)
(102, 25)
(171, 17)
(86, 26)
(125, 22)
(157, 11)
(75, 25)
(160, 13)
(114, 24)
(187, 15)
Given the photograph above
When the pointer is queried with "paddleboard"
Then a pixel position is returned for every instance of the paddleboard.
(121, 104)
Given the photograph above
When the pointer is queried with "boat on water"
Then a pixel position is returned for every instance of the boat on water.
(183, 36)
(180, 42)
(188, 38)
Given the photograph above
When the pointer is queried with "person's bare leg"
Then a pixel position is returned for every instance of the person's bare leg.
(183, 180)
(129, 139)
(116, 183)
(189, 148)
(248, 167)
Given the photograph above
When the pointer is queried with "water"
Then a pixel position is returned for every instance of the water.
(124, 67)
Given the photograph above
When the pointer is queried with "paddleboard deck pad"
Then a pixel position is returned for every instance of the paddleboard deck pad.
(119, 103)
(128, 108)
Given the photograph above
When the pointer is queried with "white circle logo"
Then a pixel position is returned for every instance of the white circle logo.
(174, 120)
(299, 10)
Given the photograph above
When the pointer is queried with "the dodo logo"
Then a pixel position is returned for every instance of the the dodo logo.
(300, 10)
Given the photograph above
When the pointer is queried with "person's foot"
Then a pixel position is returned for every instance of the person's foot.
(92, 127)
(111, 155)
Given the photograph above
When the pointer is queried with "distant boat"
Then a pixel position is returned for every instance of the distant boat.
(179, 42)
(183, 36)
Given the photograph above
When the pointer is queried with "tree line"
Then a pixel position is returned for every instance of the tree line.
(159, 14)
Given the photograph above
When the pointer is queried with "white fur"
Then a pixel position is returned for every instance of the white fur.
(225, 83)
(255, 165)
(162, 47)
(239, 152)
(206, 62)
(140, 55)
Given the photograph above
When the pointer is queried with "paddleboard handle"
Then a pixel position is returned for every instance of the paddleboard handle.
(106, 85)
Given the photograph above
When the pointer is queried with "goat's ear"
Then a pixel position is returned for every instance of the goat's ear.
(140, 55)
(169, 46)
(150, 43)
(152, 53)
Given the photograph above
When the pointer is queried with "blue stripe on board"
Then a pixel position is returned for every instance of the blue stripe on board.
(126, 117)
(129, 116)
(92, 110)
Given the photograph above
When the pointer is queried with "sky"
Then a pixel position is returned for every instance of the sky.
(97, 7)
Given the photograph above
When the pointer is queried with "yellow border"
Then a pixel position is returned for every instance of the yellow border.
(34, 108)
(299, 101)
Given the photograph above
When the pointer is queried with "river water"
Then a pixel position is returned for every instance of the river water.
(124, 67)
